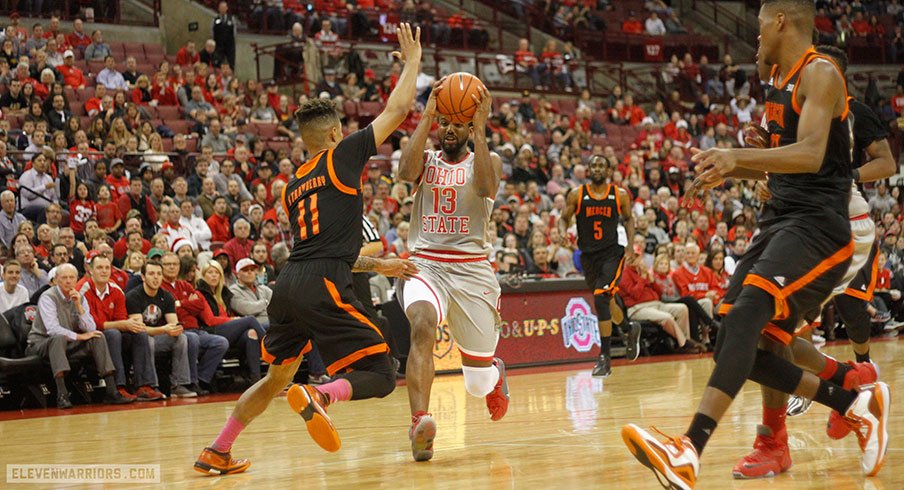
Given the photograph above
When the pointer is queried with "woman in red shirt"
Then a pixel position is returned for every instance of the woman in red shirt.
(109, 217)
(81, 206)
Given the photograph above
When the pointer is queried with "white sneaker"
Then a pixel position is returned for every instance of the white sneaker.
(674, 462)
(798, 405)
(818, 339)
(870, 424)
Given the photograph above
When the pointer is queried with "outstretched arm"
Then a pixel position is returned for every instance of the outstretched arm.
(402, 96)
(401, 268)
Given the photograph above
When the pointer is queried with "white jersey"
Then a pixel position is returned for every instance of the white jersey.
(449, 218)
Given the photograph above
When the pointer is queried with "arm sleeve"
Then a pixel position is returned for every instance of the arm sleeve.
(85, 320)
(48, 311)
(352, 154)
(169, 303)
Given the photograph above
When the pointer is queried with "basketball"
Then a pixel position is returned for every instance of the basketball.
(454, 100)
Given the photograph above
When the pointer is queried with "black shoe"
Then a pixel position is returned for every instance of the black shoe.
(116, 399)
(603, 367)
(63, 402)
(632, 341)
(197, 389)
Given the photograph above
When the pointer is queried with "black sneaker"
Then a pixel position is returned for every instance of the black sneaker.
(116, 399)
(198, 390)
(603, 367)
(632, 341)
(63, 402)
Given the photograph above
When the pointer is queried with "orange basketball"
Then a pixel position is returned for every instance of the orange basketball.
(454, 100)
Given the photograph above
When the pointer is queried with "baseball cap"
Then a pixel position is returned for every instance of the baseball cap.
(246, 262)
(68, 54)
(681, 124)
(255, 206)
(116, 161)
(646, 120)
(155, 253)
(51, 275)
(167, 164)
(370, 73)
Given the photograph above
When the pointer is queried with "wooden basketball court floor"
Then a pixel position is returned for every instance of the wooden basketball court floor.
(561, 431)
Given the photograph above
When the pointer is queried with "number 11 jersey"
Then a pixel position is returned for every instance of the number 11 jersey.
(449, 218)
(323, 201)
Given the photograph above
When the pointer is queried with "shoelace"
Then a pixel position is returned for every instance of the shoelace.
(676, 440)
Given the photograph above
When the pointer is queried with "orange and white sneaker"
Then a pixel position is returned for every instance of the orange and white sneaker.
(770, 455)
(310, 403)
(863, 373)
(421, 434)
(674, 461)
(868, 416)
(213, 462)
(498, 399)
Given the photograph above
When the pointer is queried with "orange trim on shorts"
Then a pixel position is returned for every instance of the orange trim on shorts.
(771, 330)
(334, 293)
(356, 356)
(336, 182)
(871, 288)
(612, 285)
(838, 257)
(782, 310)
(724, 308)
(269, 358)
(308, 166)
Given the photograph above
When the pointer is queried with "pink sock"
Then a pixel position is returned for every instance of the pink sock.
(338, 391)
(227, 436)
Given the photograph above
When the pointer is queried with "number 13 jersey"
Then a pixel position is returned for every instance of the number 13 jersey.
(449, 218)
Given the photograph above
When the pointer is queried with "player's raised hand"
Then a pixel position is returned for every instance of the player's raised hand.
(401, 268)
(430, 108)
(755, 135)
(409, 43)
(484, 106)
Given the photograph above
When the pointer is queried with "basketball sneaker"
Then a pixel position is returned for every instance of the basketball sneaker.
(868, 416)
(674, 461)
(498, 399)
(213, 462)
(632, 341)
(861, 374)
(798, 405)
(770, 455)
(310, 403)
(421, 435)
(603, 367)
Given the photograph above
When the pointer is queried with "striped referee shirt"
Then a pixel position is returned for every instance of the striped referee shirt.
(370, 232)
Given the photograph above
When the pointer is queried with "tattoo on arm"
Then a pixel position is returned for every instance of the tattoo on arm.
(365, 264)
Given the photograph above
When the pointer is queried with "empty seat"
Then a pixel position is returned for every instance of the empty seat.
(169, 112)
(266, 131)
(179, 126)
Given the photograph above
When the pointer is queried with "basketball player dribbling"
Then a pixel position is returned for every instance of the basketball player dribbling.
(771, 454)
(598, 208)
(809, 166)
(453, 200)
(313, 298)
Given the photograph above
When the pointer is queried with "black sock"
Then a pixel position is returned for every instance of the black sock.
(61, 385)
(604, 346)
(834, 396)
(111, 385)
(701, 428)
(840, 372)
(862, 357)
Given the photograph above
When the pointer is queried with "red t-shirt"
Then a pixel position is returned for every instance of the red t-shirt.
(118, 187)
(107, 214)
(79, 212)
(121, 247)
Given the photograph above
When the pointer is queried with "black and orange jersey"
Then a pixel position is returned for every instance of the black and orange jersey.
(810, 193)
(597, 219)
(323, 200)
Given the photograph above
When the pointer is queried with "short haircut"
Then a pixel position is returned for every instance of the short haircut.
(154, 262)
(800, 12)
(11, 262)
(837, 54)
(315, 116)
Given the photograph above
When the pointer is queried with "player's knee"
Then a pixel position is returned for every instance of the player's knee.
(601, 302)
(385, 383)
(480, 381)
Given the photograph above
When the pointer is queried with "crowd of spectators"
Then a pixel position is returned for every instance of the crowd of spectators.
(203, 225)
(878, 23)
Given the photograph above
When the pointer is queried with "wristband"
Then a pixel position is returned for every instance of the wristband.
(856, 174)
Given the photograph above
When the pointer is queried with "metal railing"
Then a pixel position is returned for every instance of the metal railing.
(728, 20)
(70, 10)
